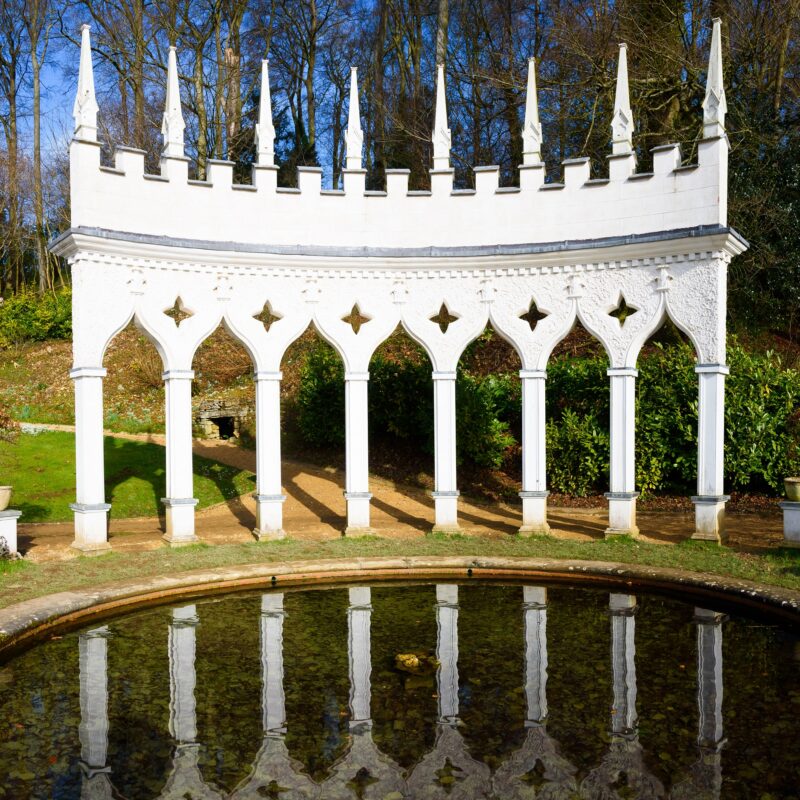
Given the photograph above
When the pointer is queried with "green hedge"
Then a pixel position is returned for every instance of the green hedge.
(762, 417)
(30, 317)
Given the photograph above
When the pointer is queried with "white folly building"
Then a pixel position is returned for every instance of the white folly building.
(442, 263)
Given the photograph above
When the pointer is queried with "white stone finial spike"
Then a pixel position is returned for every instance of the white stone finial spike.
(85, 108)
(714, 105)
(532, 129)
(265, 130)
(622, 121)
(172, 126)
(354, 138)
(441, 133)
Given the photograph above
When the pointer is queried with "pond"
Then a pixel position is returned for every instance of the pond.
(408, 691)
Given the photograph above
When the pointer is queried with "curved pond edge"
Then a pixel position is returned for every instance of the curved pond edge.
(22, 624)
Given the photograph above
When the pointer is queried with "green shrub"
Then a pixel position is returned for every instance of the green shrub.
(577, 453)
(30, 317)
(320, 401)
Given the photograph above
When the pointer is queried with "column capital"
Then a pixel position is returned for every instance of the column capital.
(87, 372)
(356, 376)
(262, 375)
(178, 375)
(714, 369)
(540, 374)
(443, 376)
(622, 372)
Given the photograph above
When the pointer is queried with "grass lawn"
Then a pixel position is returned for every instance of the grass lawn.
(21, 580)
(41, 468)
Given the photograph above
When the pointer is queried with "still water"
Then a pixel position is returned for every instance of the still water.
(500, 692)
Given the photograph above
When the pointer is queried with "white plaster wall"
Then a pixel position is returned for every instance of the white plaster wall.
(123, 199)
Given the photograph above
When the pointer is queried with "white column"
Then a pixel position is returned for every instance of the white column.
(444, 418)
(623, 663)
(623, 494)
(534, 463)
(179, 501)
(90, 507)
(535, 605)
(357, 492)
(268, 496)
(93, 730)
(359, 616)
(182, 676)
(447, 651)
(273, 700)
(709, 678)
(709, 503)
(791, 523)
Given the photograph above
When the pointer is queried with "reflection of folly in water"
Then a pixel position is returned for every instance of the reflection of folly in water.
(536, 771)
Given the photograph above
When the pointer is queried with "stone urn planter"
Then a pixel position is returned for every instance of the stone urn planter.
(5, 497)
(792, 490)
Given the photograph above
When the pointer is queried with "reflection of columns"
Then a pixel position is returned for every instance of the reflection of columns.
(709, 503)
(538, 752)
(623, 663)
(623, 494)
(444, 423)
(709, 677)
(93, 731)
(90, 507)
(534, 462)
(360, 657)
(357, 495)
(447, 651)
(704, 781)
(269, 500)
(179, 501)
(273, 703)
(182, 716)
(535, 599)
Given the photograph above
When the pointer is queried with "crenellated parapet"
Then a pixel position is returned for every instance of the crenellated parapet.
(574, 207)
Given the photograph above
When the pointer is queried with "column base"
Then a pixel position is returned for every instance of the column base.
(352, 532)
(791, 523)
(180, 521)
(709, 514)
(622, 514)
(446, 512)
(358, 514)
(8, 533)
(534, 514)
(91, 528)
(269, 517)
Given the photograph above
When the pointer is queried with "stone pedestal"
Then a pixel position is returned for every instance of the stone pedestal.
(791, 523)
(8, 530)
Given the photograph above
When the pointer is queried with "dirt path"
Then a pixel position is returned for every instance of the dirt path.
(315, 510)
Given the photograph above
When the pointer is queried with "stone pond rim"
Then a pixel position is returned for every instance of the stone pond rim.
(24, 624)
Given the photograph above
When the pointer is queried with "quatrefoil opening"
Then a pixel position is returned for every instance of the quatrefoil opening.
(355, 319)
(533, 316)
(444, 318)
(267, 317)
(623, 311)
(178, 312)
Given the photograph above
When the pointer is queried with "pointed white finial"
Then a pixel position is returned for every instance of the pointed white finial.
(532, 129)
(265, 130)
(622, 121)
(714, 105)
(441, 133)
(85, 109)
(354, 138)
(173, 125)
